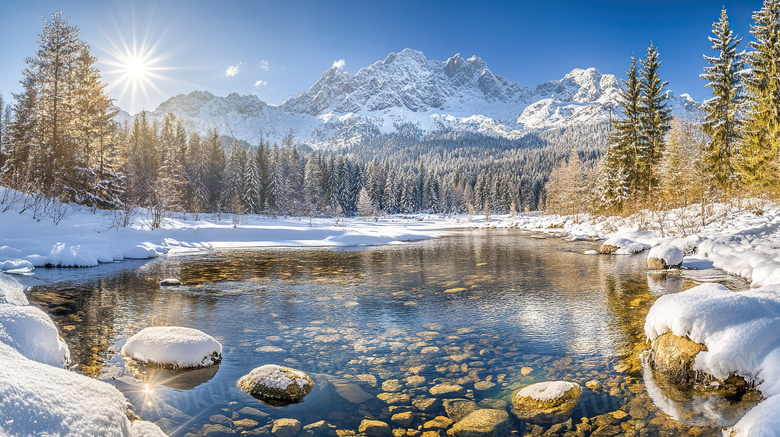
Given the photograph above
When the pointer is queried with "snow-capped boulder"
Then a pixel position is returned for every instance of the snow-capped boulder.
(546, 402)
(11, 291)
(664, 256)
(173, 346)
(621, 246)
(33, 334)
(675, 356)
(142, 428)
(42, 400)
(740, 331)
(484, 423)
(170, 282)
(276, 383)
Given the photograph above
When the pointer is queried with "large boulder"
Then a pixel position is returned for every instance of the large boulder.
(33, 334)
(173, 346)
(675, 355)
(546, 402)
(621, 246)
(276, 384)
(484, 423)
(664, 256)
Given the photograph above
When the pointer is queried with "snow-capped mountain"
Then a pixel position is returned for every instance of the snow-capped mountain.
(405, 89)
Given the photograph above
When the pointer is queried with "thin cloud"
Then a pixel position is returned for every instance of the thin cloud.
(265, 65)
(233, 70)
(261, 83)
(339, 64)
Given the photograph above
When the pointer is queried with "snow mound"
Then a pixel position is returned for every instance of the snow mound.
(741, 330)
(140, 252)
(621, 246)
(18, 265)
(670, 255)
(762, 420)
(142, 428)
(173, 346)
(41, 400)
(32, 333)
(546, 391)
(11, 291)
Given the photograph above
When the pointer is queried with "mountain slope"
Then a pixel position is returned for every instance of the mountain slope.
(407, 89)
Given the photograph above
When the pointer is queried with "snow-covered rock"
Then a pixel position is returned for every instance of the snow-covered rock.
(170, 282)
(142, 428)
(545, 402)
(41, 400)
(276, 383)
(11, 291)
(32, 333)
(621, 246)
(173, 346)
(664, 256)
(741, 331)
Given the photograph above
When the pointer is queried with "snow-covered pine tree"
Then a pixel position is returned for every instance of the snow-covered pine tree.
(364, 205)
(759, 160)
(626, 163)
(233, 185)
(679, 172)
(722, 121)
(313, 185)
(252, 184)
(215, 165)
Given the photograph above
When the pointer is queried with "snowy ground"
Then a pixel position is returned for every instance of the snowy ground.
(85, 238)
(743, 241)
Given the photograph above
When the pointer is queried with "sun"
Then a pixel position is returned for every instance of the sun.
(135, 69)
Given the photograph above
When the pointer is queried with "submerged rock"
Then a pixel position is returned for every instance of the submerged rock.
(374, 428)
(276, 383)
(664, 256)
(457, 409)
(286, 427)
(546, 402)
(484, 423)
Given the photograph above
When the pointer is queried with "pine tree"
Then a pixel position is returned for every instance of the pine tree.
(681, 171)
(215, 170)
(722, 121)
(234, 177)
(655, 116)
(252, 183)
(759, 161)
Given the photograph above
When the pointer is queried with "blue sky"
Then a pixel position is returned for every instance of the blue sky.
(281, 48)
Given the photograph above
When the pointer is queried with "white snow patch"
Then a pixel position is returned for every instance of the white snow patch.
(11, 291)
(174, 346)
(546, 391)
(16, 265)
(41, 400)
(142, 428)
(671, 255)
(32, 333)
(763, 420)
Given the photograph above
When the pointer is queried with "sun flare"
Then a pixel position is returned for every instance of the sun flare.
(135, 69)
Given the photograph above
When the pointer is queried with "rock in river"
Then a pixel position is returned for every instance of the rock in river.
(276, 383)
(484, 423)
(546, 402)
(664, 256)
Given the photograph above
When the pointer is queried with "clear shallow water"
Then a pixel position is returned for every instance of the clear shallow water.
(492, 311)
